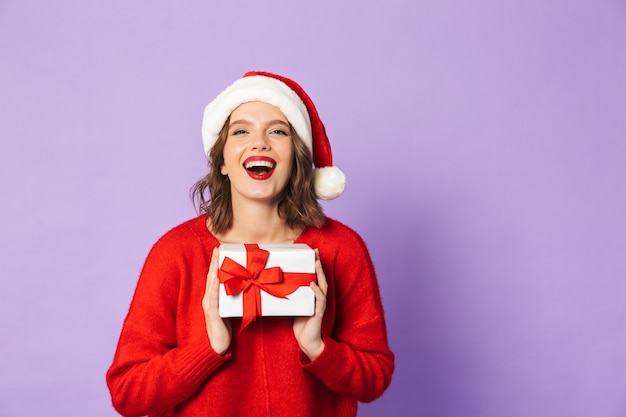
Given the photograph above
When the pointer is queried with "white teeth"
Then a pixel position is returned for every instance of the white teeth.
(253, 164)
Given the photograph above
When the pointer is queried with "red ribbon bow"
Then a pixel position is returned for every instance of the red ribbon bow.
(254, 278)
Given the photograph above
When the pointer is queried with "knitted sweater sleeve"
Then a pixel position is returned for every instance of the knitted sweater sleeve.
(356, 361)
(152, 371)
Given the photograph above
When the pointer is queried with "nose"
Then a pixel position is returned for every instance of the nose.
(260, 143)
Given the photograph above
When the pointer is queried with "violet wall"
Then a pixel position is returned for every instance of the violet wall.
(484, 144)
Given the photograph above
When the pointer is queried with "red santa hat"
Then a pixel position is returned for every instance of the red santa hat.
(299, 110)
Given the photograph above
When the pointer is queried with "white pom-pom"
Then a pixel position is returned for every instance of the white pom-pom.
(329, 182)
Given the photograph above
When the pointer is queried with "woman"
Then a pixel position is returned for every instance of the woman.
(177, 357)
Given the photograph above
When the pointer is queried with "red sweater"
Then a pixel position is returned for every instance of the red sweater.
(165, 366)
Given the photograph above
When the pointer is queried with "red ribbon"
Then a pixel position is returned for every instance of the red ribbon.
(255, 277)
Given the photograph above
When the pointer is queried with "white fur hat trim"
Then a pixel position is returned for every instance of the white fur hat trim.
(257, 88)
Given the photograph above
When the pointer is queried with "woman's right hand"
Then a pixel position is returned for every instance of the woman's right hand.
(218, 329)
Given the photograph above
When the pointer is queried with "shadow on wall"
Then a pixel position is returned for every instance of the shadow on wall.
(414, 267)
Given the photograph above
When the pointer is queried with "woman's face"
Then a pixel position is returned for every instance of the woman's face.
(258, 153)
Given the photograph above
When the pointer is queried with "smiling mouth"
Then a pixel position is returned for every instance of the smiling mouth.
(259, 167)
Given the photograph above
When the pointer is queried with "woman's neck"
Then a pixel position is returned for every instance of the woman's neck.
(258, 223)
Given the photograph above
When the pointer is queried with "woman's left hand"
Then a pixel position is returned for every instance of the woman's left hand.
(308, 330)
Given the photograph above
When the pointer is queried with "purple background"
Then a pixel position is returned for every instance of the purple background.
(484, 144)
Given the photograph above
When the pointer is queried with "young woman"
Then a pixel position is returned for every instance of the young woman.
(177, 357)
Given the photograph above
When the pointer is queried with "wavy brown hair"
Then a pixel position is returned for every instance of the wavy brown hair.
(298, 205)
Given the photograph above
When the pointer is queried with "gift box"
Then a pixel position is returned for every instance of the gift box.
(266, 280)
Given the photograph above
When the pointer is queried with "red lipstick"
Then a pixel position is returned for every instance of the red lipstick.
(259, 167)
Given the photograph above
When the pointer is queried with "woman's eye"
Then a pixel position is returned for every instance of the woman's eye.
(279, 132)
(238, 132)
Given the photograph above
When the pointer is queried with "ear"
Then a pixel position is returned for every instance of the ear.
(223, 170)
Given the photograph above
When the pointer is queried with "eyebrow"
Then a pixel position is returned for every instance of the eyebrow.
(247, 122)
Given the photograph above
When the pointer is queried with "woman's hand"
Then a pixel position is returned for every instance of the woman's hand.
(218, 329)
(308, 330)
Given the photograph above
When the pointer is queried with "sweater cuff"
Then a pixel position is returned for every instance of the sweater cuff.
(199, 360)
(330, 359)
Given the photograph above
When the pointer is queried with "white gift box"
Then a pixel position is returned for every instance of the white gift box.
(297, 257)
